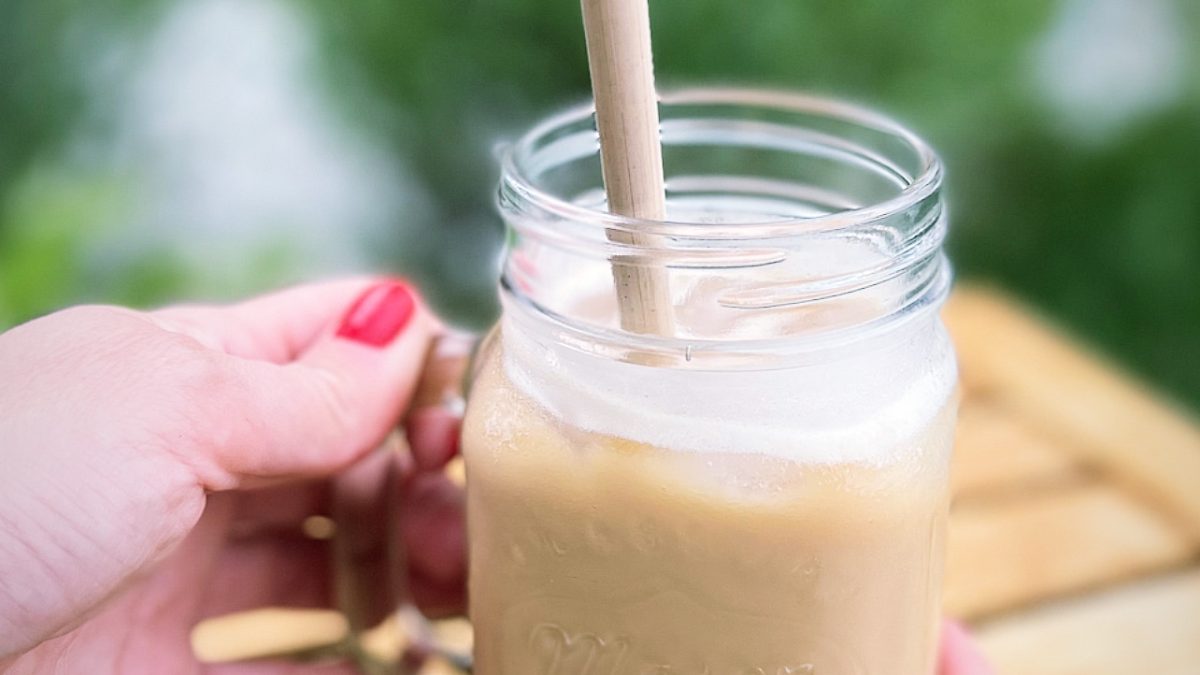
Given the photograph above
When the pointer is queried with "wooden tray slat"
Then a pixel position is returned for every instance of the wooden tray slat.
(1051, 544)
(1107, 419)
(995, 453)
(1148, 628)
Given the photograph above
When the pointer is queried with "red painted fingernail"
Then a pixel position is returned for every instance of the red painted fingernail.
(379, 314)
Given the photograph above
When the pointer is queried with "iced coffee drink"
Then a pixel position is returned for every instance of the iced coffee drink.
(764, 493)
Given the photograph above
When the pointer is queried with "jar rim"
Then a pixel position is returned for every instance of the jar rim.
(920, 186)
(905, 225)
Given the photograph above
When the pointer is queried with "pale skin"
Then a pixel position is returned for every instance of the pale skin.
(155, 468)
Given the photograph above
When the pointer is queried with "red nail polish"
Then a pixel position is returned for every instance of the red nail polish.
(379, 314)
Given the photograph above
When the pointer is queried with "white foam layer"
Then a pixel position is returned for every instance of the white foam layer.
(872, 407)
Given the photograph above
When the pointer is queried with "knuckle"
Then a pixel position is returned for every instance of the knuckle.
(335, 399)
(202, 374)
(204, 389)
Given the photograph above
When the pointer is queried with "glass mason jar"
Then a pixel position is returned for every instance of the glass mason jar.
(762, 492)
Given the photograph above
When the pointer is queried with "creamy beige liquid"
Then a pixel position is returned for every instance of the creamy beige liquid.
(593, 554)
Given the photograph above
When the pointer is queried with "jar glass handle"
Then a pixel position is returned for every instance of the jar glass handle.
(365, 509)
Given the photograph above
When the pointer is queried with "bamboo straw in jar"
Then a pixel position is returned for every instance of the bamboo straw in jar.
(622, 68)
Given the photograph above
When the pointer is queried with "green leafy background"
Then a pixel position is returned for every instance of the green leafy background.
(1095, 222)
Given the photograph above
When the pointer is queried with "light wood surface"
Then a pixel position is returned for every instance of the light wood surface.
(997, 454)
(1100, 416)
(1074, 544)
(1052, 544)
(266, 633)
(1150, 627)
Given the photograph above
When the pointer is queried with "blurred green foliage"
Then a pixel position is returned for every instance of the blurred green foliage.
(1099, 230)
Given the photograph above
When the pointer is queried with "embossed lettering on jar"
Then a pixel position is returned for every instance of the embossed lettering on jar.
(763, 492)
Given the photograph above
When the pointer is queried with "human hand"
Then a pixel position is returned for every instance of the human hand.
(958, 653)
(157, 467)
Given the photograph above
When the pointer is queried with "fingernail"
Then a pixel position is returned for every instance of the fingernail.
(379, 314)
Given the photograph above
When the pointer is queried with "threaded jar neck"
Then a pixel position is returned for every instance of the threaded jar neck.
(795, 225)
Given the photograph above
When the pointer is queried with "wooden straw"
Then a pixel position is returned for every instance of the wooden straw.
(618, 42)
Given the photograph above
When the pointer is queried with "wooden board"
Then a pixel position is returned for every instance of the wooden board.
(1074, 544)
(1151, 627)
(997, 455)
(1051, 544)
(1075, 531)
(1101, 417)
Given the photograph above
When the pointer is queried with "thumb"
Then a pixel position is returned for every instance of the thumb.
(337, 400)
